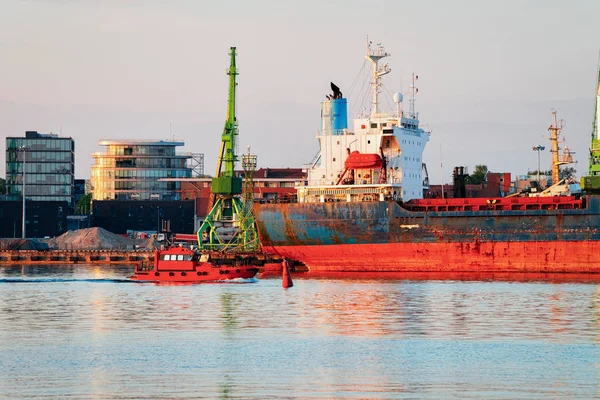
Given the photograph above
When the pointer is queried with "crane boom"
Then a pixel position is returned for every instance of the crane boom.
(591, 183)
(225, 182)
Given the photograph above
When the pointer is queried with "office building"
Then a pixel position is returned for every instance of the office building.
(81, 188)
(49, 167)
(131, 169)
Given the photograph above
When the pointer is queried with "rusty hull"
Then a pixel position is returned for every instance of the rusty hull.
(383, 236)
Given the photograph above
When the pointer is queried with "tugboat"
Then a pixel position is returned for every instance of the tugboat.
(228, 245)
(182, 265)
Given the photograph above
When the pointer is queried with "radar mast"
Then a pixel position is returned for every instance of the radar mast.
(374, 55)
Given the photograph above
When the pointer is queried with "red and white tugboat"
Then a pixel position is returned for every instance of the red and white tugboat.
(182, 265)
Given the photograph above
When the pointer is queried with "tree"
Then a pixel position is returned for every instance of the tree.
(478, 176)
(83, 205)
(542, 173)
(567, 173)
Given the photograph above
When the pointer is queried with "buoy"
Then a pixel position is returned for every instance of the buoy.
(286, 277)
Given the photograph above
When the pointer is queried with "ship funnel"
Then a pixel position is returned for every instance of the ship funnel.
(334, 113)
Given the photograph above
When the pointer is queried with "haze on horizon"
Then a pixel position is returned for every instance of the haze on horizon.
(489, 73)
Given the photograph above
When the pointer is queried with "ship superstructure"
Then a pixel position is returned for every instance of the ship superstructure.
(381, 158)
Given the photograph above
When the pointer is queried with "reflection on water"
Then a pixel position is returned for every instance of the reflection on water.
(87, 332)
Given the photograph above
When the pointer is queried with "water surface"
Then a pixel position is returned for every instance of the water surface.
(86, 332)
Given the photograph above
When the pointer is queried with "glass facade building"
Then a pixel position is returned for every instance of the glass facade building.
(49, 167)
(130, 170)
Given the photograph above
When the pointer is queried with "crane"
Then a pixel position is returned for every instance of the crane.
(591, 183)
(229, 225)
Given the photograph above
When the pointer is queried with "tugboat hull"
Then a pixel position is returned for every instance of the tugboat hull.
(181, 265)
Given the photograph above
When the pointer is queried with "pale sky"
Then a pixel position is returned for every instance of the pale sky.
(489, 73)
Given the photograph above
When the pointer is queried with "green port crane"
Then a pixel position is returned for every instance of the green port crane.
(591, 183)
(229, 226)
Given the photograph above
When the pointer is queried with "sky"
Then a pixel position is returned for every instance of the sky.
(490, 72)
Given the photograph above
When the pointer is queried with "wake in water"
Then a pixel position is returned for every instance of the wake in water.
(240, 280)
(116, 280)
(63, 280)
(235, 281)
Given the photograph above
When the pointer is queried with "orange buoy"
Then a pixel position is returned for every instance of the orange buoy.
(286, 277)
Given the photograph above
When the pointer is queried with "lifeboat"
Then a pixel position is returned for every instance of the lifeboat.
(182, 265)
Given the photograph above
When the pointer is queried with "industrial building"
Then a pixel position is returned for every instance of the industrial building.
(43, 218)
(269, 185)
(144, 215)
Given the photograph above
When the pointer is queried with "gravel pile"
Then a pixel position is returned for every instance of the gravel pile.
(98, 239)
(22, 244)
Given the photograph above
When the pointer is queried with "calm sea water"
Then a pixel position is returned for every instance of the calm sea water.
(85, 332)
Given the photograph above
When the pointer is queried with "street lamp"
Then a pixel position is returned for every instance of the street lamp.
(538, 148)
(23, 149)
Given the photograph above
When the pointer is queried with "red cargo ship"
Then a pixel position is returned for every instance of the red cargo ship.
(182, 265)
(361, 206)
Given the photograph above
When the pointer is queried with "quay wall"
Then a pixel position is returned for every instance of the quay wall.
(8, 257)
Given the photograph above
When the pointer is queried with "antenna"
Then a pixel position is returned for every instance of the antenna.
(413, 91)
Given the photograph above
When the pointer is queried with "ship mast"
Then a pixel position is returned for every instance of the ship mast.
(374, 55)
(227, 157)
(557, 159)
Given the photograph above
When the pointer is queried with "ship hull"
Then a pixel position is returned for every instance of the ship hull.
(523, 257)
(384, 237)
(201, 273)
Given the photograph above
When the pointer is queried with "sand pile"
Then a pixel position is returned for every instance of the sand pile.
(98, 239)
(22, 244)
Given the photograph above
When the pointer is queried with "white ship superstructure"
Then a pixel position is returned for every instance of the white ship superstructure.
(380, 159)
